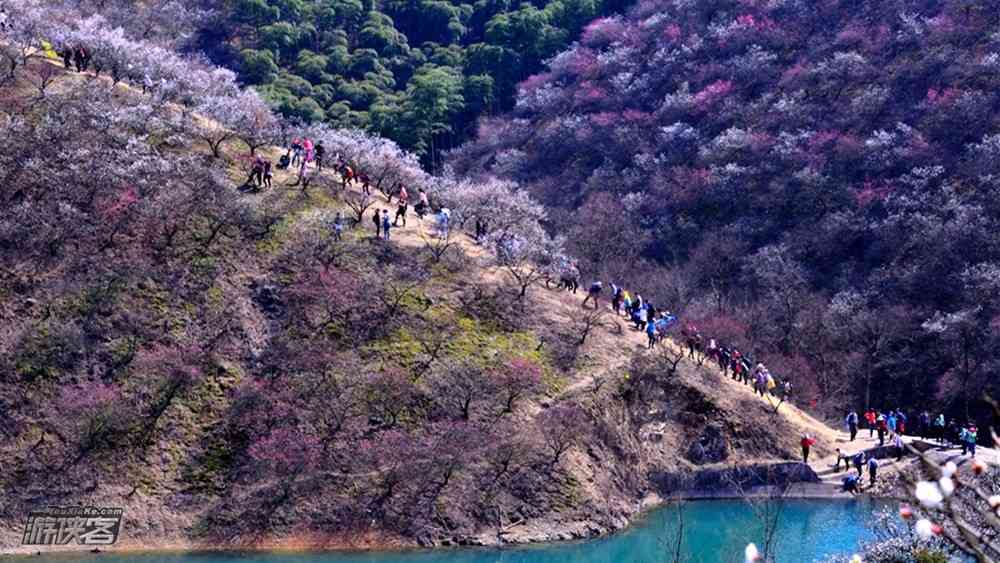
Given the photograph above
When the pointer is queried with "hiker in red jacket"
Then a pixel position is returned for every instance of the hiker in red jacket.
(870, 417)
(807, 442)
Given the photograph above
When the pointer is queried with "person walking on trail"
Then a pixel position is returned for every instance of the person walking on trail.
(386, 224)
(967, 439)
(870, 419)
(939, 426)
(422, 205)
(651, 335)
(925, 425)
(900, 421)
(268, 175)
(807, 443)
(256, 178)
(872, 470)
(307, 147)
(400, 213)
(724, 355)
(443, 217)
(78, 57)
(859, 462)
(852, 424)
(404, 205)
(763, 383)
(377, 219)
(897, 442)
(67, 57)
(320, 152)
(593, 293)
(296, 151)
(347, 178)
(616, 298)
(642, 318)
(338, 227)
(883, 428)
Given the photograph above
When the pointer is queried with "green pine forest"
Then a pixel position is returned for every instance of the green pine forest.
(417, 71)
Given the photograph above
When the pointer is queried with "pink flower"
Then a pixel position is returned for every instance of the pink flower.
(122, 201)
(635, 115)
(584, 62)
(872, 191)
(761, 141)
(823, 138)
(604, 119)
(534, 82)
(672, 32)
(590, 92)
(712, 93)
(793, 73)
(604, 31)
(943, 96)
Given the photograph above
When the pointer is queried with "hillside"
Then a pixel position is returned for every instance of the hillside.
(419, 73)
(215, 362)
(816, 181)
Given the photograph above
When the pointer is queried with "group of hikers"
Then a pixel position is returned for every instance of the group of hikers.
(76, 56)
(383, 226)
(889, 425)
(893, 423)
(298, 155)
(656, 323)
(739, 365)
(853, 483)
(642, 313)
(302, 152)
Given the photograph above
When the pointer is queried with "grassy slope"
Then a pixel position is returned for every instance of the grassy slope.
(606, 475)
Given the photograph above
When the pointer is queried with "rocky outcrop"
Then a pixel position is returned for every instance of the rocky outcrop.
(732, 481)
(712, 446)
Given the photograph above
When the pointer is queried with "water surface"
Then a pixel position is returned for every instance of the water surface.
(714, 531)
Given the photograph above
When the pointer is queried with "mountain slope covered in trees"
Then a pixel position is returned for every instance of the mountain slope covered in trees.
(816, 181)
(217, 362)
(418, 72)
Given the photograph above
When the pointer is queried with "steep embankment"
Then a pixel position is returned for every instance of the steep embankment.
(215, 363)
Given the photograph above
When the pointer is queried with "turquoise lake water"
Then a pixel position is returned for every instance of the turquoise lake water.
(714, 532)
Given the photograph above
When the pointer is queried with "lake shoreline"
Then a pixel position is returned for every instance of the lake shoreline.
(303, 543)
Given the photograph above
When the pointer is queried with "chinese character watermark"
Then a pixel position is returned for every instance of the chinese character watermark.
(80, 525)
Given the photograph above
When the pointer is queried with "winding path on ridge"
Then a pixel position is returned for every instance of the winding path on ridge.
(609, 348)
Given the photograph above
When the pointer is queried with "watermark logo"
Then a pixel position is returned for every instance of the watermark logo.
(80, 525)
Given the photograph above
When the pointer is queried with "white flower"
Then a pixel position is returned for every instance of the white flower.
(994, 501)
(856, 558)
(924, 528)
(751, 553)
(949, 469)
(947, 486)
(929, 494)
